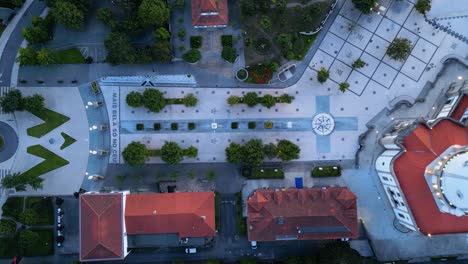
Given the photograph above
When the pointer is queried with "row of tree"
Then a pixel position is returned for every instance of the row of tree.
(31, 56)
(154, 100)
(252, 99)
(14, 101)
(136, 153)
(20, 181)
(253, 152)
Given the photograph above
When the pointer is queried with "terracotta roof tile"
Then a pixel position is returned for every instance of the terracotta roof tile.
(101, 226)
(461, 108)
(187, 214)
(206, 13)
(303, 214)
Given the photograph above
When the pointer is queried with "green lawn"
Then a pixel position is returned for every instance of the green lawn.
(44, 208)
(51, 161)
(68, 140)
(45, 246)
(69, 56)
(308, 40)
(13, 207)
(241, 220)
(52, 120)
(8, 247)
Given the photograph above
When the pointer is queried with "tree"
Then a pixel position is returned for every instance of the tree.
(337, 253)
(12, 101)
(134, 99)
(172, 153)
(268, 101)
(40, 30)
(423, 6)
(286, 98)
(135, 154)
(234, 153)
(154, 100)
(28, 217)
(190, 100)
(34, 104)
(119, 49)
(161, 33)
(265, 23)
(322, 75)
(68, 14)
(229, 54)
(248, 8)
(357, 64)
(28, 239)
(284, 41)
(106, 16)
(344, 86)
(251, 99)
(233, 100)
(287, 150)
(192, 56)
(27, 56)
(7, 227)
(46, 57)
(162, 51)
(365, 6)
(271, 151)
(179, 4)
(399, 49)
(252, 153)
(19, 181)
(191, 152)
(153, 12)
(128, 5)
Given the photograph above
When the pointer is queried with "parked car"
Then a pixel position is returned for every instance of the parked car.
(190, 250)
(253, 244)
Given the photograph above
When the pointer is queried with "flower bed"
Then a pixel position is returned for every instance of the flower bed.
(260, 74)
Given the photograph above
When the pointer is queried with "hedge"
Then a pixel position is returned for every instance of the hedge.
(326, 171)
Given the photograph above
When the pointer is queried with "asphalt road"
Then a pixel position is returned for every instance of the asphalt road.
(8, 57)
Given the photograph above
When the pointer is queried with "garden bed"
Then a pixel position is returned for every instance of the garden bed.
(13, 207)
(263, 173)
(44, 209)
(45, 245)
(260, 74)
(325, 171)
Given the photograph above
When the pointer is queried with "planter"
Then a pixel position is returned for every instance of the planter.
(242, 75)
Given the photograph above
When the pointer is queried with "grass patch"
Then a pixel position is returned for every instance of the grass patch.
(51, 161)
(45, 245)
(326, 171)
(51, 119)
(44, 209)
(263, 173)
(217, 210)
(8, 247)
(308, 41)
(13, 207)
(69, 56)
(241, 220)
(68, 140)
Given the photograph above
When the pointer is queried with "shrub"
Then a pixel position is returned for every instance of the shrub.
(326, 171)
(157, 126)
(266, 173)
(229, 54)
(357, 64)
(191, 152)
(195, 42)
(140, 127)
(13, 207)
(242, 74)
(181, 34)
(399, 49)
(322, 75)
(233, 100)
(171, 153)
(28, 217)
(7, 227)
(190, 100)
(174, 126)
(268, 125)
(234, 125)
(226, 40)
(252, 125)
(134, 99)
(286, 98)
(251, 99)
(268, 101)
(191, 126)
(192, 56)
(344, 86)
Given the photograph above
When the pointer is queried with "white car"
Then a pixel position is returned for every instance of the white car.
(190, 250)
(253, 244)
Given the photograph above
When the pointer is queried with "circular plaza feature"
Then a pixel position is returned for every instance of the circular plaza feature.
(10, 142)
(323, 124)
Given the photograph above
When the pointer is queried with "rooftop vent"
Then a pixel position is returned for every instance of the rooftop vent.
(154, 212)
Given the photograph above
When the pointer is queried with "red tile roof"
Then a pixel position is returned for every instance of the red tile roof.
(101, 227)
(186, 214)
(461, 108)
(209, 13)
(423, 146)
(303, 214)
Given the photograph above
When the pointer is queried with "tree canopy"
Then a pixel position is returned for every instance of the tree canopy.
(20, 181)
(68, 14)
(399, 49)
(365, 6)
(34, 104)
(12, 101)
(154, 100)
(119, 49)
(153, 12)
(135, 154)
(134, 99)
(253, 153)
(172, 153)
(268, 101)
(234, 153)
(190, 100)
(287, 150)
(251, 99)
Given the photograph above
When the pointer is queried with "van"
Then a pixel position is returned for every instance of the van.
(190, 250)
(253, 244)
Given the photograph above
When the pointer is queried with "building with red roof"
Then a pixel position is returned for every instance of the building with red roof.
(424, 169)
(302, 214)
(209, 13)
(112, 222)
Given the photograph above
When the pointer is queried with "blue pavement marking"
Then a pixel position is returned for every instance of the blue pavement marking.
(346, 123)
(322, 104)
(323, 144)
